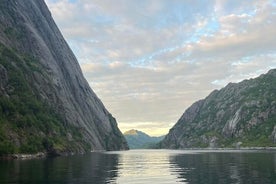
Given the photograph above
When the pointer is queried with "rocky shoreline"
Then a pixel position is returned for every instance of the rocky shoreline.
(23, 156)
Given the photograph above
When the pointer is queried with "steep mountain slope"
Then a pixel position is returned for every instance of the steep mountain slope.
(45, 102)
(139, 140)
(242, 114)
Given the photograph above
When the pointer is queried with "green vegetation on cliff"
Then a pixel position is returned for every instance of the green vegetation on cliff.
(27, 123)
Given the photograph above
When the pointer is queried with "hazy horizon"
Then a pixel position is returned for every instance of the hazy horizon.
(149, 60)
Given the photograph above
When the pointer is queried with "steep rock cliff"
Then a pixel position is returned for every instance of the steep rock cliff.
(45, 102)
(241, 114)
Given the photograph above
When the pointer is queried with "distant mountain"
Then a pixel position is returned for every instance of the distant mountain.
(241, 114)
(46, 105)
(140, 140)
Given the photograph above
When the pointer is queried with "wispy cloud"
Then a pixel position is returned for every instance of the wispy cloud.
(149, 60)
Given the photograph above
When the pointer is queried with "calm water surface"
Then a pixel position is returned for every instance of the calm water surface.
(146, 166)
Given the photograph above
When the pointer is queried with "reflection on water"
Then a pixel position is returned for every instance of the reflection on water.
(227, 167)
(91, 168)
(146, 166)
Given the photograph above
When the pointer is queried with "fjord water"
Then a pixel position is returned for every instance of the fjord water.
(146, 166)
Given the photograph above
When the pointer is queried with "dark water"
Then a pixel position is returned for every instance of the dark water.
(146, 166)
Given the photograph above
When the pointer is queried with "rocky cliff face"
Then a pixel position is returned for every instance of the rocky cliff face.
(58, 110)
(242, 114)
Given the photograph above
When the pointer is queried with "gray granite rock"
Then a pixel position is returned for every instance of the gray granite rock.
(28, 28)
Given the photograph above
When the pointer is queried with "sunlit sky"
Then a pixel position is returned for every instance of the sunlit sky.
(149, 60)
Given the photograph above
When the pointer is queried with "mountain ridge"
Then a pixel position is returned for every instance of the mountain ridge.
(240, 114)
(139, 140)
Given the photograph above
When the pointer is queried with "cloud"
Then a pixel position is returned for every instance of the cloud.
(149, 60)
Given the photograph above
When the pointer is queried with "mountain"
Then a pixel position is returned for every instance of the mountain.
(46, 105)
(139, 140)
(240, 114)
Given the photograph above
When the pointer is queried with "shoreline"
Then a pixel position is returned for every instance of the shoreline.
(19, 156)
(241, 148)
(40, 155)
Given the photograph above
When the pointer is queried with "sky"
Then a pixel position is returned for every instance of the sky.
(149, 60)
